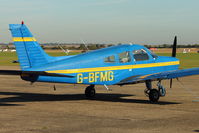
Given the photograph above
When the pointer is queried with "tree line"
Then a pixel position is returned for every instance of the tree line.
(77, 46)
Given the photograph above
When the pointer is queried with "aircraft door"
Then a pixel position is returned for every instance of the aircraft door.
(125, 64)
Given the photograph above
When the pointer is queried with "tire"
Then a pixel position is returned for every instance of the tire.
(154, 95)
(90, 92)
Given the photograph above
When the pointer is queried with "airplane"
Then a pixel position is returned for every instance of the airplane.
(115, 65)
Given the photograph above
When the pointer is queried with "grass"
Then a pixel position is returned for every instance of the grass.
(6, 58)
(61, 53)
(188, 60)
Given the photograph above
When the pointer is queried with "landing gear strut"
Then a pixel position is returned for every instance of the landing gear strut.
(161, 89)
(154, 94)
(90, 91)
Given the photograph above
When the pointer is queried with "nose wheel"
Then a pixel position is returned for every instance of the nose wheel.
(154, 94)
(90, 91)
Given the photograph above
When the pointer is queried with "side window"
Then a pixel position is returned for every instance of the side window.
(110, 59)
(124, 57)
(140, 55)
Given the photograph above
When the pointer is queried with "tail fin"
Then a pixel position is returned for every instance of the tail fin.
(30, 53)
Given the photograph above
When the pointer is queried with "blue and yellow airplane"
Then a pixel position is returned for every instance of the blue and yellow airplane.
(116, 65)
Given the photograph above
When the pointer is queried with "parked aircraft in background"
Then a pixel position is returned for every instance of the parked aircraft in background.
(116, 65)
(12, 50)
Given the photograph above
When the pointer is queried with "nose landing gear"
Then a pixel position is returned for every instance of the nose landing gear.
(161, 89)
(154, 94)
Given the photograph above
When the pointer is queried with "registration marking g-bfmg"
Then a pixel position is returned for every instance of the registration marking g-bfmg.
(96, 77)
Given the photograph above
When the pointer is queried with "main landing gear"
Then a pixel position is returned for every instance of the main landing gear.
(154, 94)
(90, 91)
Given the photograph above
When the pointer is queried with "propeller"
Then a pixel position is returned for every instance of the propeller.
(173, 55)
(171, 82)
(174, 47)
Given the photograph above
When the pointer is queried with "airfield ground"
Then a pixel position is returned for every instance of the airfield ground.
(37, 108)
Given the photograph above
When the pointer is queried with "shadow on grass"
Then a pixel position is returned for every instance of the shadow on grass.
(37, 97)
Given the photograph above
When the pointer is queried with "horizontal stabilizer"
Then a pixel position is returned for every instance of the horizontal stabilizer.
(36, 73)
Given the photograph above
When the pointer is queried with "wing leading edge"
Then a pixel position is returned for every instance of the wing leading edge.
(161, 76)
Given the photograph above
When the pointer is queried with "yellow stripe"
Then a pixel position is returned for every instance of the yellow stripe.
(24, 39)
(81, 70)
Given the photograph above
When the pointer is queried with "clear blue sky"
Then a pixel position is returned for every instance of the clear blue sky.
(104, 21)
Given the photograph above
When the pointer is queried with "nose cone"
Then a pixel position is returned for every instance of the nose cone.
(173, 59)
(172, 63)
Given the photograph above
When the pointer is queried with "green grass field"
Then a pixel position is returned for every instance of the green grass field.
(189, 60)
(6, 58)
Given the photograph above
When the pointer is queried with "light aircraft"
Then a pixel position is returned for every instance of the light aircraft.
(116, 65)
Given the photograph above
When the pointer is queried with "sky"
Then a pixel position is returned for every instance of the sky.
(104, 21)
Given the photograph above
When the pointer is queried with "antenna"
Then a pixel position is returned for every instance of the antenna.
(85, 45)
(65, 51)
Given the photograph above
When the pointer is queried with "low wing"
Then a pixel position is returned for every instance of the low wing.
(36, 73)
(160, 76)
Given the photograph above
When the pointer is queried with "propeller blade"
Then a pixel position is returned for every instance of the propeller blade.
(174, 47)
(171, 82)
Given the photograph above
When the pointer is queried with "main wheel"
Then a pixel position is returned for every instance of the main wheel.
(90, 92)
(154, 95)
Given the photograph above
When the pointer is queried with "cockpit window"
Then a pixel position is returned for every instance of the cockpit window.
(124, 57)
(153, 54)
(140, 55)
(110, 59)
